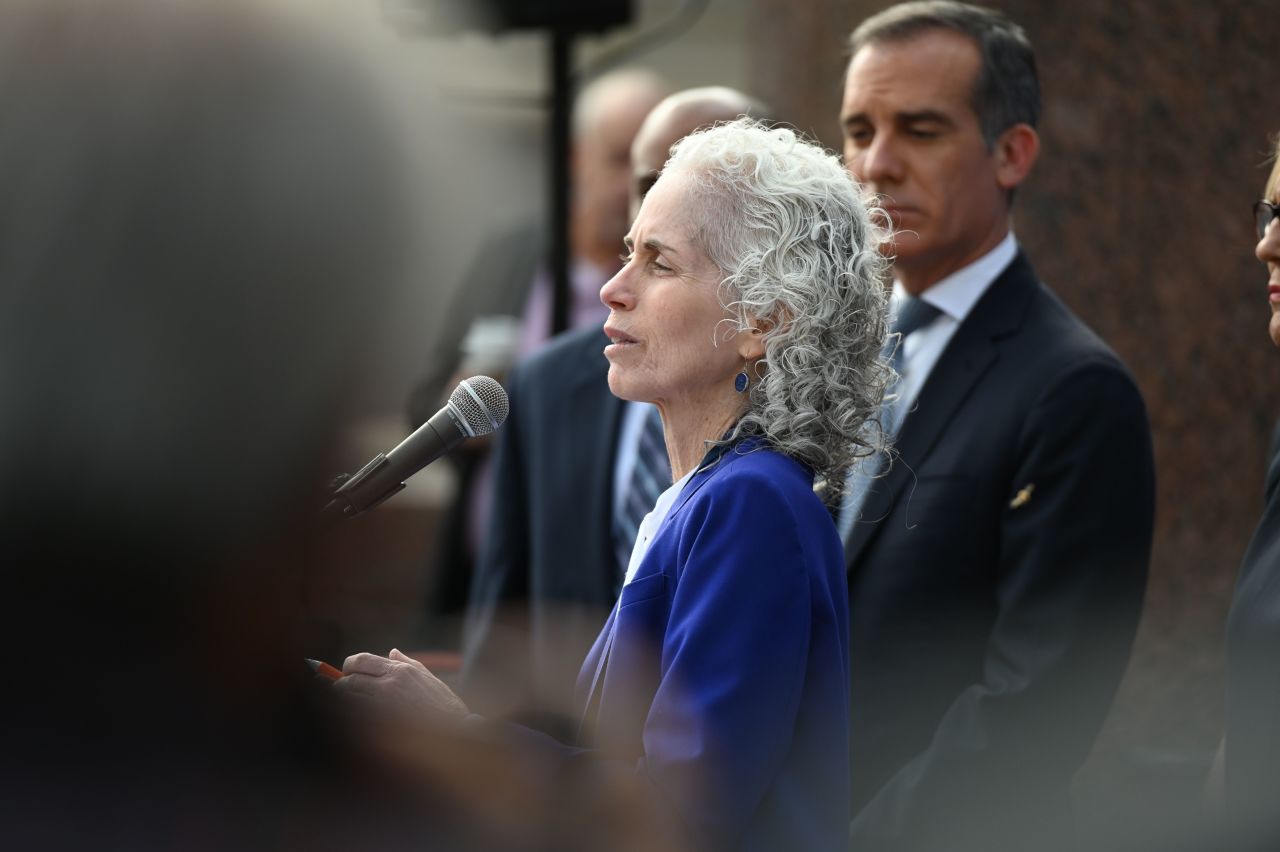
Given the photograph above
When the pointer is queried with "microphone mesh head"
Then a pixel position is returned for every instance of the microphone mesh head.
(482, 403)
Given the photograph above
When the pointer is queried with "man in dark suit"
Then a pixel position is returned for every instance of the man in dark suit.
(997, 565)
(566, 460)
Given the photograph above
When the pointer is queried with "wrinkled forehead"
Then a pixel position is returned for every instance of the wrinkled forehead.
(676, 217)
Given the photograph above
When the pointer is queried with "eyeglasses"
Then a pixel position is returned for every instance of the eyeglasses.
(1264, 213)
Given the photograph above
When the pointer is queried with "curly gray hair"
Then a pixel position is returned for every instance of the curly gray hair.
(796, 239)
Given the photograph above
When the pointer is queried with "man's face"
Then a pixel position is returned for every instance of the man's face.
(911, 135)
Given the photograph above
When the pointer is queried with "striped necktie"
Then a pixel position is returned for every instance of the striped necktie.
(650, 476)
(913, 315)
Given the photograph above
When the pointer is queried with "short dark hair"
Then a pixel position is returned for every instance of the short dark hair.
(1007, 91)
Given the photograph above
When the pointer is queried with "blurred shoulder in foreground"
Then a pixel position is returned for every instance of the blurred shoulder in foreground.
(207, 207)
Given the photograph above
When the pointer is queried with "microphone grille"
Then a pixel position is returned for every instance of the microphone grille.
(482, 403)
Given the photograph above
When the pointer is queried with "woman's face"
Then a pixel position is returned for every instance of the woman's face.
(672, 340)
(1268, 251)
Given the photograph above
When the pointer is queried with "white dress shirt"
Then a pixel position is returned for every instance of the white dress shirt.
(653, 520)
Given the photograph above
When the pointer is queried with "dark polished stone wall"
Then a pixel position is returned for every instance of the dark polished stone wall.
(1158, 116)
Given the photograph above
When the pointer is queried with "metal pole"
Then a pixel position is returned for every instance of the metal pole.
(561, 112)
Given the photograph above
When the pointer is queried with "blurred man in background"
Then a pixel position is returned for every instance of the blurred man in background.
(509, 279)
(606, 119)
(997, 566)
(509, 275)
(577, 469)
(202, 203)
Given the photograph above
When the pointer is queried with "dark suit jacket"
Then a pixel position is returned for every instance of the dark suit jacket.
(995, 582)
(548, 574)
(1252, 768)
(723, 673)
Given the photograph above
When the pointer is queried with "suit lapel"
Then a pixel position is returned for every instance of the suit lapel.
(968, 356)
(599, 413)
(594, 415)
(591, 705)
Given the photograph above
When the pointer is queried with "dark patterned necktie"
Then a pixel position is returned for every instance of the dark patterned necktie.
(650, 476)
(913, 315)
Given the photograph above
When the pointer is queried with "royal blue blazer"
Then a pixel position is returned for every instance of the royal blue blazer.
(723, 670)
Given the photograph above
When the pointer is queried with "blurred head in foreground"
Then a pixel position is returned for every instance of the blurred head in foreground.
(205, 202)
(207, 207)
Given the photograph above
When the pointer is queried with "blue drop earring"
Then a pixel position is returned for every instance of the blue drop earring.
(740, 381)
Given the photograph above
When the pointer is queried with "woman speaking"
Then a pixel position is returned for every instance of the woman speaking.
(751, 311)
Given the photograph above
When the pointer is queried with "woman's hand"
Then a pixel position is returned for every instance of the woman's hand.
(400, 683)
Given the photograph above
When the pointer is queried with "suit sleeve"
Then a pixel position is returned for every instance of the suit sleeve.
(1074, 547)
(501, 580)
(734, 658)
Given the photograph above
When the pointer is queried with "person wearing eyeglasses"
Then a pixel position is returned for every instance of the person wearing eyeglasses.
(1251, 747)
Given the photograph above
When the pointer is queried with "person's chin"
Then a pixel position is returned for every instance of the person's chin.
(1274, 328)
(621, 386)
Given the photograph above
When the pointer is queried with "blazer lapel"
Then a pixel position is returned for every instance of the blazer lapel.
(966, 358)
(712, 463)
(591, 704)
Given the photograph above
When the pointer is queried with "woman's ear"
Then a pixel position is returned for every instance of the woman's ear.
(750, 340)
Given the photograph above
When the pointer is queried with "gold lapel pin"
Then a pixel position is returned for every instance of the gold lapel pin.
(1023, 497)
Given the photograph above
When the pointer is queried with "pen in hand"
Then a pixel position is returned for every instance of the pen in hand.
(324, 669)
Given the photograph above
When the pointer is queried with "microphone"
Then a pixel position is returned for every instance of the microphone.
(476, 407)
